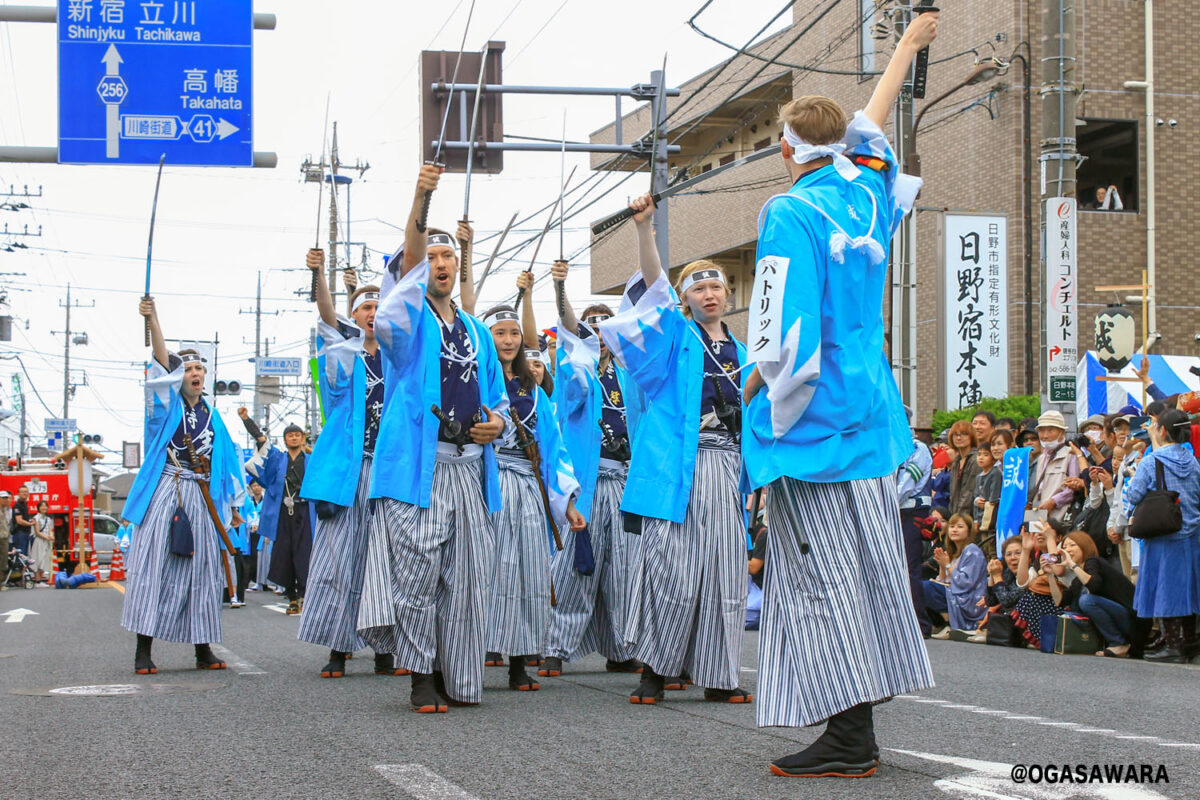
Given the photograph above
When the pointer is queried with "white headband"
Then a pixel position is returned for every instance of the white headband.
(803, 152)
(701, 275)
(535, 355)
(365, 297)
(442, 240)
(192, 358)
(594, 319)
(503, 315)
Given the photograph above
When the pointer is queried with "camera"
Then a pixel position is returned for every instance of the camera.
(1052, 558)
(1082, 441)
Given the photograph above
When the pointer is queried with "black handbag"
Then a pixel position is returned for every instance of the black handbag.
(1001, 631)
(1159, 513)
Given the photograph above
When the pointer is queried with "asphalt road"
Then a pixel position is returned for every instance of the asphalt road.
(269, 727)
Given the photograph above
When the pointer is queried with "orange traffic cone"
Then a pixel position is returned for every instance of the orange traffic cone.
(95, 568)
(116, 571)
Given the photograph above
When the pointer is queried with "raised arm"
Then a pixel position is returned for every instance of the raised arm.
(643, 208)
(315, 261)
(566, 314)
(158, 345)
(416, 241)
(529, 333)
(921, 31)
(350, 281)
(466, 267)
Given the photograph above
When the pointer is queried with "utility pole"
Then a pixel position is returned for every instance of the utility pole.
(260, 412)
(903, 351)
(315, 173)
(67, 348)
(1058, 162)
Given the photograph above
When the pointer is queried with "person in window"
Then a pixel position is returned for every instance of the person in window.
(964, 470)
(1168, 585)
(1100, 591)
(1106, 198)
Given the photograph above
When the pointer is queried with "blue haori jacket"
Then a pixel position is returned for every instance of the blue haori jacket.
(831, 410)
(579, 405)
(339, 449)
(164, 413)
(664, 354)
(408, 333)
(269, 467)
(556, 469)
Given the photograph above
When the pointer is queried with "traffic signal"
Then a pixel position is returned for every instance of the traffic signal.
(227, 387)
(92, 438)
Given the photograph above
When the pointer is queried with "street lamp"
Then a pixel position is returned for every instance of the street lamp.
(982, 71)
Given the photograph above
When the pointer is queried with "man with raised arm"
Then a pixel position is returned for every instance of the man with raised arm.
(838, 632)
(429, 556)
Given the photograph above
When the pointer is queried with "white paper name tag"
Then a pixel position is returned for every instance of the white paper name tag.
(764, 334)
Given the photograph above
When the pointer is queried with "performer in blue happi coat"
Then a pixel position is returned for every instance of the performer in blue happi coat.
(174, 584)
(350, 369)
(688, 597)
(429, 558)
(519, 600)
(287, 518)
(837, 631)
(597, 405)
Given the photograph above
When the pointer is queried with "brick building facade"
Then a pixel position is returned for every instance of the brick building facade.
(971, 155)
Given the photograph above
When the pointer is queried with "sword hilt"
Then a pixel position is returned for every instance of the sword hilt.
(147, 321)
(560, 298)
(423, 220)
(464, 257)
(921, 69)
(613, 220)
(520, 297)
(312, 292)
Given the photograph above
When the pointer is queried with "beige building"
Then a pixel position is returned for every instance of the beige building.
(971, 154)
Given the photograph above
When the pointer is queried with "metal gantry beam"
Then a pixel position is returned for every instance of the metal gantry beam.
(262, 22)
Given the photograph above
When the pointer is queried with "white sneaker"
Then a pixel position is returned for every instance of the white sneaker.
(278, 590)
(236, 604)
(978, 637)
(944, 634)
(254, 587)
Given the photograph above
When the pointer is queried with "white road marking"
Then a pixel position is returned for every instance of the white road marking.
(279, 608)
(422, 783)
(993, 780)
(1074, 727)
(18, 614)
(236, 663)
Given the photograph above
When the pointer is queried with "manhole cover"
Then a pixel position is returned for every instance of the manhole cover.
(116, 689)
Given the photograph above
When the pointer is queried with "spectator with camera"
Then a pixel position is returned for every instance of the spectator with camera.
(1100, 591)
(1168, 584)
(954, 596)
(964, 469)
(1039, 573)
(1058, 461)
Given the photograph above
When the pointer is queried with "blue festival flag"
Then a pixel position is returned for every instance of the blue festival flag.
(1014, 495)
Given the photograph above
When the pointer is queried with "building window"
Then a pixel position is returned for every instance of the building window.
(761, 143)
(866, 44)
(726, 159)
(1112, 157)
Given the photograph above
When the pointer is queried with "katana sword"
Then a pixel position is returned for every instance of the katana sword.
(150, 244)
(464, 260)
(658, 197)
(437, 153)
(312, 292)
(562, 173)
(921, 66)
(545, 229)
(496, 252)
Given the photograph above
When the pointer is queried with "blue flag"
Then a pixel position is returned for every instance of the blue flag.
(1014, 494)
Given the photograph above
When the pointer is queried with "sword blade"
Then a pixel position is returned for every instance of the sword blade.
(471, 138)
(150, 242)
(496, 252)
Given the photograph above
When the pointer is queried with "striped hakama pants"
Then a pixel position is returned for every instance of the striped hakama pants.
(593, 610)
(167, 596)
(335, 579)
(425, 585)
(519, 598)
(688, 597)
(837, 624)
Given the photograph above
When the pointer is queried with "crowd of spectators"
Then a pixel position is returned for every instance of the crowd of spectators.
(1073, 555)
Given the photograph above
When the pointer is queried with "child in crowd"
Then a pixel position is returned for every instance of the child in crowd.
(987, 499)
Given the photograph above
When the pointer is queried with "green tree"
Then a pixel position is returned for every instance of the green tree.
(1016, 406)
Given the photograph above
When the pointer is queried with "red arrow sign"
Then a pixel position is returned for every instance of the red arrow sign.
(1054, 351)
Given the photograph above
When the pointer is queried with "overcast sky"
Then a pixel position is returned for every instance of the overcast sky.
(217, 227)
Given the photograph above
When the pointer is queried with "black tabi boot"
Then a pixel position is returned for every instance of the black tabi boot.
(650, 690)
(738, 695)
(535, 660)
(205, 659)
(439, 685)
(551, 667)
(1171, 651)
(631, 665)
(493, 660)
(385, 664)
(142, 664)
(844, 750)
(518, 678)
(336, 668)
(678, 684)
(424, 697)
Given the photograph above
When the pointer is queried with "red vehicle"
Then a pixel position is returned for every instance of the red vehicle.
(47, 480)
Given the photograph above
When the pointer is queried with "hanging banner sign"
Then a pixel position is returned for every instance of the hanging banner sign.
(974, 309)
(1062, 294)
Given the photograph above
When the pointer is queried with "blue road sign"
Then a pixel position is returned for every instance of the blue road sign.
(281, 367)
(140, 78)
